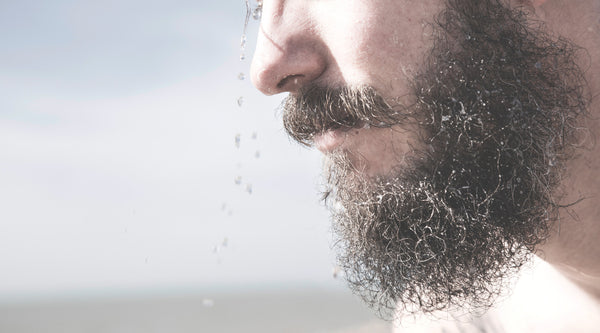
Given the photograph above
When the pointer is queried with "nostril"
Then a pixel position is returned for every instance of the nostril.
(289, 80)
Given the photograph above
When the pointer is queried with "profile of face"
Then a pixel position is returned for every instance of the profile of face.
(446, 126)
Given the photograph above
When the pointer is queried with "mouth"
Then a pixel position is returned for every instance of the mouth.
(330, 140)
(334, 138)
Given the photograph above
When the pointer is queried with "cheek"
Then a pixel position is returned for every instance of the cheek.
(380, 43)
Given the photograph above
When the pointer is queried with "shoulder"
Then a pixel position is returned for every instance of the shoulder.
(484, 324)
(541, 300)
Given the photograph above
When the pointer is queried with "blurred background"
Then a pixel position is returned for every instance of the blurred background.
(145, 186)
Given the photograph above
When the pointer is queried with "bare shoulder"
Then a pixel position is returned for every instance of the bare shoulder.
(486, 324)
(542, 300)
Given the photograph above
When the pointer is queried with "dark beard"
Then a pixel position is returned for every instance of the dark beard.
(497, 103)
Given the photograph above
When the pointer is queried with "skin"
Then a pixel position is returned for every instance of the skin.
(299, 44)
(381, 43)
(574, 249)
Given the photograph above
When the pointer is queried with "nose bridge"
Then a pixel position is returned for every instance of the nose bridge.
(289, 54)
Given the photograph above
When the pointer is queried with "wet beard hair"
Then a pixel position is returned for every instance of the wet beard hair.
(497, 103)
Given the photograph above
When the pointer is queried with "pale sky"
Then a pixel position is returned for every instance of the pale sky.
(118, 161)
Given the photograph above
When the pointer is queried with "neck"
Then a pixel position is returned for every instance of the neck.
(574, 249)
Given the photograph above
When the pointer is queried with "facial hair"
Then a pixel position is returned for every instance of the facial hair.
(497, 102)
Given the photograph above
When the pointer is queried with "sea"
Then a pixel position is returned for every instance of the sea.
(243, 310)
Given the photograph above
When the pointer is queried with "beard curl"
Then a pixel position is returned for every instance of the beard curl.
(498, 101)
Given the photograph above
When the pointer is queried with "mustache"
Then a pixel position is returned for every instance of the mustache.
(316, 109)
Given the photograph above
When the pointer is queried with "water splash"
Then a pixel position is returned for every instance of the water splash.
(243, 39)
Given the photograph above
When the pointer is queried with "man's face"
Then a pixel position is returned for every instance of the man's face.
(333, 43)
(445, 125)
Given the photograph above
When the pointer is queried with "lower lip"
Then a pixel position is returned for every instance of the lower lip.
(330, 140)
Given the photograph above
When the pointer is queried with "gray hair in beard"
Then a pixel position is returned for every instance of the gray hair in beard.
(317, 109)
(498, 103)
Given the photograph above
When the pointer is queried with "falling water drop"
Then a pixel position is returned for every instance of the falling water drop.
(238, 138)
(241, 76)
(243, 43)
(242, 57)
(257, 13)
(249, 188)
(208, 303)
(240, 101)
(337, 272)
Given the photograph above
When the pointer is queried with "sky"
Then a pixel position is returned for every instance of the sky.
(119, 167)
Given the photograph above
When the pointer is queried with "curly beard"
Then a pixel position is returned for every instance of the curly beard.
(497, 105)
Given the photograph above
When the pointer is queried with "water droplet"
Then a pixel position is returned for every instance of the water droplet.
(243, 41)
(257, 154)
(254, 135)
(238, 180)
(238, 138)
(240, 101)
(242, 57)
(241, 76)
(249, 188)
(257, 13)
(225, 242)
(208, 303)
(337, 272)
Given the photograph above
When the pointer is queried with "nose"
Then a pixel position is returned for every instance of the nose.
(289, 53)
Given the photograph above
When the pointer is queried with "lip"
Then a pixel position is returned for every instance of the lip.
(330, 140)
